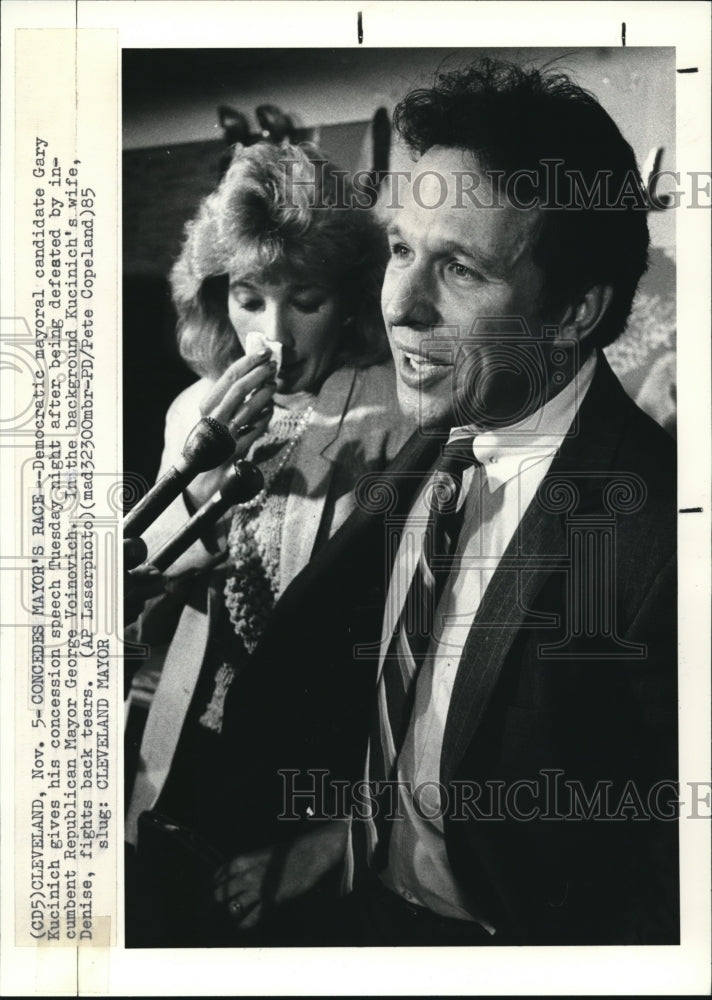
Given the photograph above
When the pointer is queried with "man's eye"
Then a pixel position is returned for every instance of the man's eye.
(399, 250)
(461, 271)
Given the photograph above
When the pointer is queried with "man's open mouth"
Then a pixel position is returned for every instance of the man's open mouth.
(420, 362)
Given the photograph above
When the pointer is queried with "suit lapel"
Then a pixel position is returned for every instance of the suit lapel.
(355, 558)
(537, 549)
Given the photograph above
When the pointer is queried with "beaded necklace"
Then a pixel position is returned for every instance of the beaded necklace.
(254, 540)
(254, 544)
(269, 438)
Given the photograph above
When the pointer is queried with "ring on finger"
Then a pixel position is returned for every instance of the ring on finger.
(235, 908)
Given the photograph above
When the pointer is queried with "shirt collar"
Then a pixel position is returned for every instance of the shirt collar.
(508, 451)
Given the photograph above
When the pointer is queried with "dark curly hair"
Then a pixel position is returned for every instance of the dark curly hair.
(523, 119)
(284, 210)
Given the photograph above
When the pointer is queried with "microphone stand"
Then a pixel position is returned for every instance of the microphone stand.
(207, 446)
(243, 482)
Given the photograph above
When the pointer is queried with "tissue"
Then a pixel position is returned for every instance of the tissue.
(255, 342)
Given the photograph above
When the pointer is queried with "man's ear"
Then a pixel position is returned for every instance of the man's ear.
(582, 318)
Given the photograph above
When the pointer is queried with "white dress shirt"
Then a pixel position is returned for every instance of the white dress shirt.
(514, 461)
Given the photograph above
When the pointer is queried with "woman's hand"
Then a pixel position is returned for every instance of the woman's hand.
(253, 883)
(246, 419)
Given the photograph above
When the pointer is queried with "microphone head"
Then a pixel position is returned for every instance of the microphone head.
(208, 445)
(135, 552)
(243, 483)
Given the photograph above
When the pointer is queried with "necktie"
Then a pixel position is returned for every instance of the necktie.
(408, 648)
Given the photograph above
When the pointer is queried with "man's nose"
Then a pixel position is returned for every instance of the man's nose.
(409, 300)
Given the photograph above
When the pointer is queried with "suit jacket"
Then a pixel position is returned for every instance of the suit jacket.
(356, 426)
(566, 686)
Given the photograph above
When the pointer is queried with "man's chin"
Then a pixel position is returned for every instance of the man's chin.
(424, 408)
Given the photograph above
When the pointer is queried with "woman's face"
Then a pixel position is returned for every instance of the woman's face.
(304, 318)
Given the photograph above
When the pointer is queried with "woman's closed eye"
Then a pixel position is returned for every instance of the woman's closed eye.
(250, 304)
(309, 303)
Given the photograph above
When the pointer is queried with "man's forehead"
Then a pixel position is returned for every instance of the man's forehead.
(451, 197)
(451, 168)
(448, 159)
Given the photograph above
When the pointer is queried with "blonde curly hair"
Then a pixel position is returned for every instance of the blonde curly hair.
(284, 211)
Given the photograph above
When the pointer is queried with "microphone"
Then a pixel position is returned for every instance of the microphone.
(208, 445)
(243, 482)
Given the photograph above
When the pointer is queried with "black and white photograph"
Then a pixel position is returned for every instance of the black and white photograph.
(412, 665)
(355, 427)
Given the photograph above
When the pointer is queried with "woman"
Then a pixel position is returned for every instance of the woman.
(273, 251)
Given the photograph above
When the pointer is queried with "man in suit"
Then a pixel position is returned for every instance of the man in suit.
(521, 755)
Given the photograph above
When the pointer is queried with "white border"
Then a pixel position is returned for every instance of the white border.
(554, 971)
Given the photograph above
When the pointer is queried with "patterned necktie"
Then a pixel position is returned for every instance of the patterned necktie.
(409, 645)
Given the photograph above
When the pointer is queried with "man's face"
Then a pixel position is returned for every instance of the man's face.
(449, 267)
